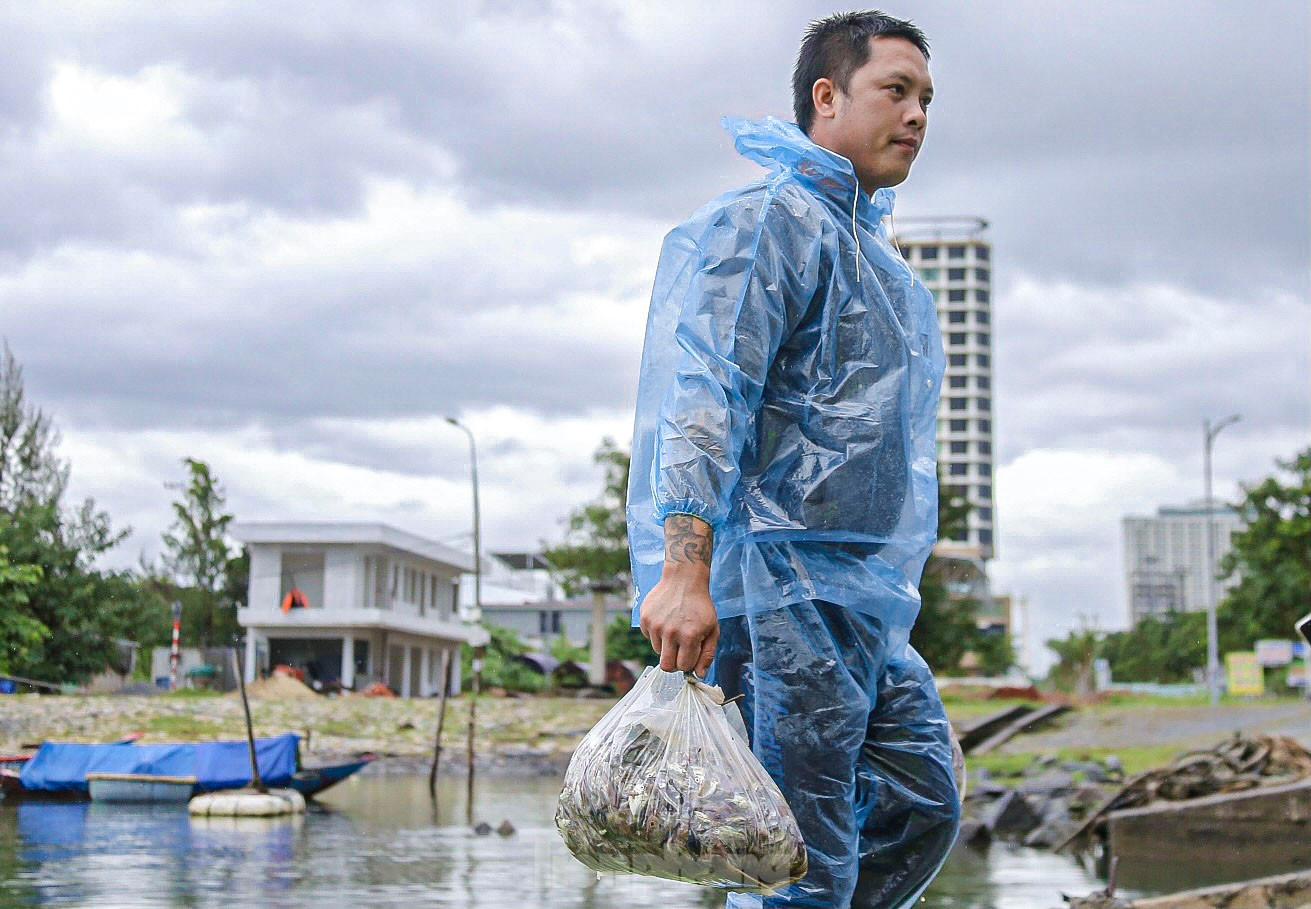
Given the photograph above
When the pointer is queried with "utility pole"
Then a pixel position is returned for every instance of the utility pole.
(1209, 433)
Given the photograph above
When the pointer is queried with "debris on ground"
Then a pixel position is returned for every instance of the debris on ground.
(1239, 763)
(277, 688)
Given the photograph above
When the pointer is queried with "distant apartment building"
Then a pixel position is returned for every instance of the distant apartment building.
(954, 259)
(1165, 567)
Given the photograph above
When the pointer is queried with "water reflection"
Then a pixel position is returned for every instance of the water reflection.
(380, 841)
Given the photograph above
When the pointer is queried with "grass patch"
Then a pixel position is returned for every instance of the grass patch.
(187, 694)
(1134, 760)
(183, 728)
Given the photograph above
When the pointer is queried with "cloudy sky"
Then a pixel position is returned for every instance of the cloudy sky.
(289, 240)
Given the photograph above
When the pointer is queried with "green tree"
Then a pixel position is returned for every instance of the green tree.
(595, 548)
(1271, 556)
(1075, 654)
(947, 627)
(198, 557)
(624, 642)
(67, 620)
(20, 633)
(1157, 649)
(500, 668)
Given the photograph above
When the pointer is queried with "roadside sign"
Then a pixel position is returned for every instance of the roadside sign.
(1274, 652)
(1299, 675)
(1244, 673)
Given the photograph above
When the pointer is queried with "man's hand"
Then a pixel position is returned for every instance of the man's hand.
(678, 616)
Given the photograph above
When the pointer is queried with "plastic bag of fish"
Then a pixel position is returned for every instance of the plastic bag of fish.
(666, 785)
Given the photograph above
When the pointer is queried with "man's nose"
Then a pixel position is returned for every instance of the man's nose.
(916, 115)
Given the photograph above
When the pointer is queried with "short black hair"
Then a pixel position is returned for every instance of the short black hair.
(835, 47)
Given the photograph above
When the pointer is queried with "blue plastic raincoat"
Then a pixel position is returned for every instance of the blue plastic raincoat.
(788, 397)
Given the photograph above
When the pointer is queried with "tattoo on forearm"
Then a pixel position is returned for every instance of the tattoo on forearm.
(687, 539)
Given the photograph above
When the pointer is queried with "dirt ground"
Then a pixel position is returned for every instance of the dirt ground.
(1187, 726)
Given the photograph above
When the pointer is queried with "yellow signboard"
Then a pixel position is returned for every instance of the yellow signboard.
(1244, 673)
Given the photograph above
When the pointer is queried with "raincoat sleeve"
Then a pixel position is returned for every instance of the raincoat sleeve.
(749, 274)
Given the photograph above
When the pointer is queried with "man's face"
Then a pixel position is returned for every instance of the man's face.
(878, 123)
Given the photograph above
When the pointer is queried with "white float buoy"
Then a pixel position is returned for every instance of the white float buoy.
(248, 803)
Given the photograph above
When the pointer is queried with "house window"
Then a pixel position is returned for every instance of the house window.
(982, 274)
(985, 426)
(958, 425)
(983, 383)
(982, 337)
(985, 448)
(985, 493)
(960, 447)
(957, 317)
(983, 469)
(956, 337)
(957, 470)
(985, 536)
(928, 252)
(956, 403)
(956, 381)
(982, 360)
(981, 318)
(956, 361)
(955, 274)
(956, 296)
(955, 252)
(984, 513)
(982, 253)
(929, 274)
(981, 296)
(985, 404)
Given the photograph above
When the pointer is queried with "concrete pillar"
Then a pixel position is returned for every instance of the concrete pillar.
(454, 681)
(251, 651)
(596, 656)
(348, 661)
(405, 671)
(425, 672)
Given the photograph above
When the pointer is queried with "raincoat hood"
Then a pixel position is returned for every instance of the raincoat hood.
(778, 144)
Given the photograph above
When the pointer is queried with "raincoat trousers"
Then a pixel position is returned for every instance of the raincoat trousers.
(788, 397)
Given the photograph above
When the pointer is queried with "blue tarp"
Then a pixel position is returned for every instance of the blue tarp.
(215, 765)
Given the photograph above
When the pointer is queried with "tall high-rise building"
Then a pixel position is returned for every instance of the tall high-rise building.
(1165, 565)
(954, 258)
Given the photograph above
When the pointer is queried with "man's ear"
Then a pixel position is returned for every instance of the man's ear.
(824, 95)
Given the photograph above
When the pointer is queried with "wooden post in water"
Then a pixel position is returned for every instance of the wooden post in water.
(441, 721)
(255, 782)
(473, 725)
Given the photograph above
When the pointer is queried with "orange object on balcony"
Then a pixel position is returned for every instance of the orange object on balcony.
(295, 599)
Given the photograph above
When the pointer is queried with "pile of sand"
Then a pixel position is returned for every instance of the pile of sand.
(278, 687)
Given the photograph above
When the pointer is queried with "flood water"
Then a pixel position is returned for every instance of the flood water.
(378, 841)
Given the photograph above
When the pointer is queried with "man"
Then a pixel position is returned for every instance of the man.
(783, 496)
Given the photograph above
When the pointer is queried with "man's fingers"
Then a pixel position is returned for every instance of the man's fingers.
(669, 653)
(708, 652)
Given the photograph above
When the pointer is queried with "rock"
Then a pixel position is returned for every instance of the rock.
(406, 725)
(1113, 766)
(1048, 782)
(1043, 761)
(1055, 825)
(505, 828)
(1010, 817)
(974, 834)
(482, 828)
(986, 792)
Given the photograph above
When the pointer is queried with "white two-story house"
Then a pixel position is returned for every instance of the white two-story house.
(352, 604)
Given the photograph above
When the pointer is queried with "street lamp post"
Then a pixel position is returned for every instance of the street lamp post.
(477, 531)
(1209, 433)
(477, 616)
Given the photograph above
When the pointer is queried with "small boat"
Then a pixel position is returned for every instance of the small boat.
(64, 771)
(139, 787)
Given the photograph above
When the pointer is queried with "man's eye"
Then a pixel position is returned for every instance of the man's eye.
(896, 89)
